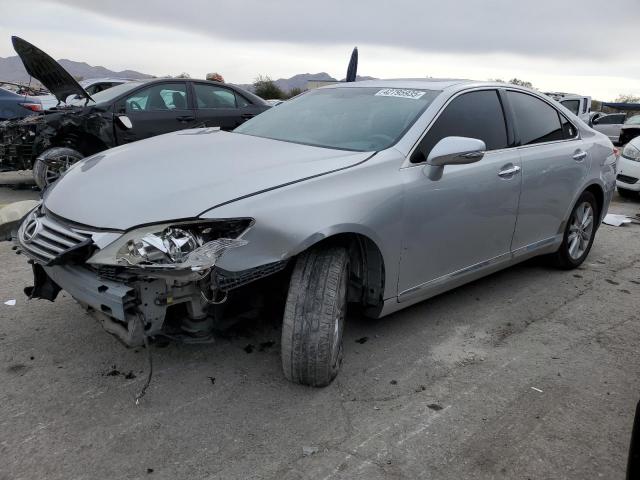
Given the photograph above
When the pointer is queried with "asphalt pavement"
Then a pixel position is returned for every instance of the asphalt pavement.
(531, 373)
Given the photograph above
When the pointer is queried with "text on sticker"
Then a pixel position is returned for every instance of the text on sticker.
(400, 92)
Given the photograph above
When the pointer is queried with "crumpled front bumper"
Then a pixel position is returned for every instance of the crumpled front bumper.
(109, 297)
(113, 304)
(130, 302)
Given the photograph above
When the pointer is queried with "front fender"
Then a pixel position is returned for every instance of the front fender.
(365, 200)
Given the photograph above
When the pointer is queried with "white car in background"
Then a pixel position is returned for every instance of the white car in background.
(628, 178)
(91, 85)
(610, 125)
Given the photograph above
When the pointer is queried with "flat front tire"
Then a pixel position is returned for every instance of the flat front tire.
(579, 232)
(314, 316)
(52, 163)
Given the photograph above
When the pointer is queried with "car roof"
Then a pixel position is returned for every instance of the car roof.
(91, 81)
(150, 81)
(420, 83)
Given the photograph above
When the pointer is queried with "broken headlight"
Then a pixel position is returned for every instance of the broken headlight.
(186, 246)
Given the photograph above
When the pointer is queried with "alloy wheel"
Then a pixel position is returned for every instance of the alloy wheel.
(55, 168)
(580, 230)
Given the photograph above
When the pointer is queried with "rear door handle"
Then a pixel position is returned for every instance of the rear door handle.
(247, 116)
(507, 172)
(185, 118)
(579, 156)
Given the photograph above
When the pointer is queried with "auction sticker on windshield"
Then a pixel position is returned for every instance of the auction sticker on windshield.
(400, 92)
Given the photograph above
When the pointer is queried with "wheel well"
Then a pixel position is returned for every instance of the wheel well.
(86, 144)
(597, 192)
(366, 285)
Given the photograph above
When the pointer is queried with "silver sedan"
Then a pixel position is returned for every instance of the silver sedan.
(374, 195)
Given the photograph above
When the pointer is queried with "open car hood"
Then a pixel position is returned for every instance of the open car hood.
(47, 71)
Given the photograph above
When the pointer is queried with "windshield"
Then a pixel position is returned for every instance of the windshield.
(356, 118)
(635, 120)
(109, 94)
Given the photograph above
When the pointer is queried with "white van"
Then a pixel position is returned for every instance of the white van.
(578, 104)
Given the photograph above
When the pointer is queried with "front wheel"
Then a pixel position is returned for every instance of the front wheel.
(52, 163)
(314, 317)
(579, 233)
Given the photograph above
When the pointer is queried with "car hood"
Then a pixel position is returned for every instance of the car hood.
(182, 174)
(47, 71)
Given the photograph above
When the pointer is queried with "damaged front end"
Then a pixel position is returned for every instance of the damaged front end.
(18, 142)
(87, 130)
(154, 280)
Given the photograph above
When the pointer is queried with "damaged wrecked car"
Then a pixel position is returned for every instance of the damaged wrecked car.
(124, 113)
(370, 196)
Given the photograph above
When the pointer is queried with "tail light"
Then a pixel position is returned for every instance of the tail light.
(616, 151)
(34, 107)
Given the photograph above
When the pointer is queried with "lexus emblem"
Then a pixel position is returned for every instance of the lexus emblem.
(31, 229)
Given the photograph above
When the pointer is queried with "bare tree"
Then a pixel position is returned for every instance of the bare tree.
(627, 98)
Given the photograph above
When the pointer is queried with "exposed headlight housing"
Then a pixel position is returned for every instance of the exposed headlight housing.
(632, 153)
(194, 246)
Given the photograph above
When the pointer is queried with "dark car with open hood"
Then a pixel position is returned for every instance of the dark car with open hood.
(52, 142)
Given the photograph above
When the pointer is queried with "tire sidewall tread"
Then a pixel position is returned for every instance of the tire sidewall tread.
(317, 290)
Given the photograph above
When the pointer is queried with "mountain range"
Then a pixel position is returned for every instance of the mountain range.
(300, 81)
(12, 70)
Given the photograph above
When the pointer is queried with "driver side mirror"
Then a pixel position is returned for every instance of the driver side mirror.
(124, 121)
(456, 151)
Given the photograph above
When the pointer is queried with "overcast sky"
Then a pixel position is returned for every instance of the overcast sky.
(580, 46)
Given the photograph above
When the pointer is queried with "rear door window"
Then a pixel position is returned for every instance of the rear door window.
(213, 96)
(537, 121)
(475, 115)
(241, 101)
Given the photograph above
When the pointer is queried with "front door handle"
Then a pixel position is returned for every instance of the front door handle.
(579, 155)
(247, 116)
(507, 172)
(185, 118)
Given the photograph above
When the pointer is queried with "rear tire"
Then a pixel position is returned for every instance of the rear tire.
(52, 163)
(626, 193)
(314, 317)
(579, 233)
